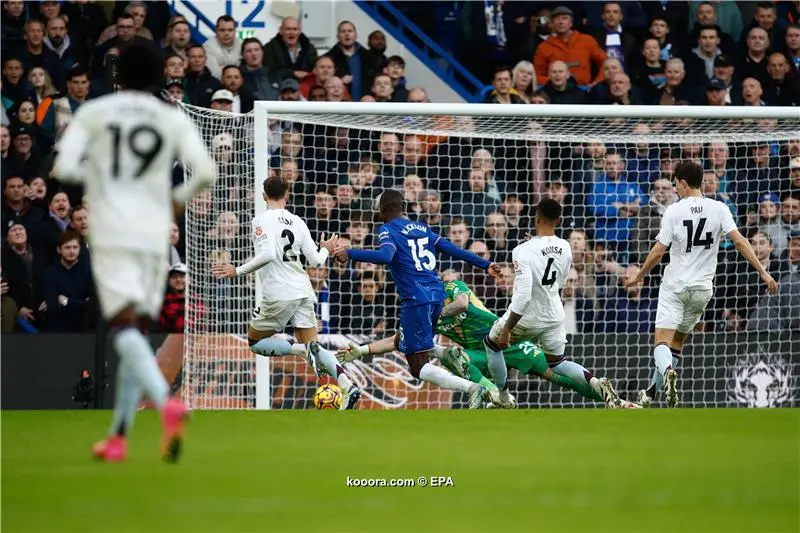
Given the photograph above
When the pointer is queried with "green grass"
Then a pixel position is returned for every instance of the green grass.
(527, 470)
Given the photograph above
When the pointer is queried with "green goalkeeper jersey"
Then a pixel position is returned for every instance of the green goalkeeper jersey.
(470, 327)
(524, 356)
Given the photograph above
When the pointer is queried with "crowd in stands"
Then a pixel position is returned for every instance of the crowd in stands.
(477, 192)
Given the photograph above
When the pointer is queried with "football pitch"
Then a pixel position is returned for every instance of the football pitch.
(689, 470)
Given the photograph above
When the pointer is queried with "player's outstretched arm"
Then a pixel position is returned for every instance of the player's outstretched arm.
(264, 255)
(382, 256)
(317, 256)
(456, 252)
(460, 304)
(354, 351)
(655, 255)
(744, 248)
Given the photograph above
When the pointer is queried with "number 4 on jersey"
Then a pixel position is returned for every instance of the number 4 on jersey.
(693, 238)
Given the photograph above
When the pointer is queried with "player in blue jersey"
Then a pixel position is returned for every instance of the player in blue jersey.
(410, 249)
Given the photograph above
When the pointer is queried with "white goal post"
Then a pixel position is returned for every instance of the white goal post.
(478, 165)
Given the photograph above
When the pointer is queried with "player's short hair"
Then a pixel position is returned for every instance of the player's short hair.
(67, 236)
(275, 187)
(691, 173)
(140, 68)
(391, 201)
(549, 209)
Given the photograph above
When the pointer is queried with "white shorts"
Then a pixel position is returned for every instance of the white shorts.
(129, 277)
(551, 337)
(681, 311)
(275, 315)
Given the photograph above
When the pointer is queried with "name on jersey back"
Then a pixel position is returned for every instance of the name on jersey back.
(411, 227)
(547, 250)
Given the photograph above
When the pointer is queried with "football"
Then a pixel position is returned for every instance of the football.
(328, 396)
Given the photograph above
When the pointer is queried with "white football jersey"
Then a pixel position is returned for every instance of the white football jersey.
(693, 227)
(123, 148)
(287, 239)
(541, 266)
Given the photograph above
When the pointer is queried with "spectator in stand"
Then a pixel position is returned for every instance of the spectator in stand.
(23, 270)
(336, 90)
(503, 92)
(138, 12)
(572, 47)
(200, 84)
(324, 219)
(15, 86)
(495, 235)
(258, 79)
(706, 15)
(761, 175)
(725, 71)
(739, 291)
(180, 39)
(17, 207)
(766, 18)
(648, 72)
(781, 312)
(51, 228)
(173, 309)
(376, 42)
(382, 88)
(86, 23)
(43, 90)
(368, 310)
(676, 88)
(524, 80)
(233, 81)
(780, 88)
(174, 86)
(58, 42)
(621, 92)
(648, 223)
(79, 222)
(414, 156)
(395, 68)
(289, 91)
(752, 93)
(355, 64)
(630, 309)
(290, 53)
(60, 113)
(518, 223)
(642, 164)
(474, 202)
(13, 24)
(792, 50)
(26, 116)
(34, 53)
(794, 176)
(413, 189)
(68, 288)
(459, 232)
(615, 203)
(222, 100)
(660, 30)
(432, 211)
(572, 215)
(716, 92)
(612, 37)
(599, 92)
(562, 88)
(224, 48)
(700, 60)
(22, 142)
(675, 14)
(324, 69)
(125, 36)
(781, 227)
(753, 63)
(390, 160)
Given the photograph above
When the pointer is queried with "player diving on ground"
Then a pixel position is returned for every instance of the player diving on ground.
(465, 321)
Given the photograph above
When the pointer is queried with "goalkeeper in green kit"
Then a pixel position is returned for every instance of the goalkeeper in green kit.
(466, 321)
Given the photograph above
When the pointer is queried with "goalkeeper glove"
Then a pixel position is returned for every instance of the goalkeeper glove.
(352, 352)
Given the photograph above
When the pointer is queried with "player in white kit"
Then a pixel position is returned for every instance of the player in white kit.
(281, 241)
(536, 312)
(123, 147)
(691, 229)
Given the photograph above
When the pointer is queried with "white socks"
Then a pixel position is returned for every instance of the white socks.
(331, 365)
(497, 366)
(126, 401)
(572, 370)
(135, 352)
(441, 377)
(663, 356)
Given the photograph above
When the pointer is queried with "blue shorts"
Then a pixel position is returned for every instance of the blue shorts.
(417, 326)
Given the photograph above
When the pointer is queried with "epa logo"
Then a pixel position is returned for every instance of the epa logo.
(761, 380)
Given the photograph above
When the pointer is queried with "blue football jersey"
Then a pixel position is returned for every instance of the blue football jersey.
(413, 266)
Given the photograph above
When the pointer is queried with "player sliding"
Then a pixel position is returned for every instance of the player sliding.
(129, 141)
(281, 239)
(536, 312)
(409, 250)
(691, 229)
(465, 321)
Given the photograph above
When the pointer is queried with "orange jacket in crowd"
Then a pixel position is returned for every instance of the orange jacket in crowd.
(578, 52)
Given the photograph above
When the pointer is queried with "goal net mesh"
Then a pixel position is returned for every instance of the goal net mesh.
(475, 180)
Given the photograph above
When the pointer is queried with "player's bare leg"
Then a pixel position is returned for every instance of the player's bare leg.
(139, 371)
(581, 376)
(422, 368)
(667, 353)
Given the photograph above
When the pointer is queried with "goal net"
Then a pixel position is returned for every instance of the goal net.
(474, 173)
